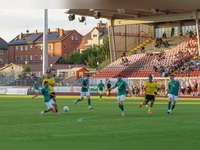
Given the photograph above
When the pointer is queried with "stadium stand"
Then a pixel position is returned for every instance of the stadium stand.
(141, 65)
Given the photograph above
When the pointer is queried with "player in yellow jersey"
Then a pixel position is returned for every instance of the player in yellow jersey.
(51, 82)
(150, 88)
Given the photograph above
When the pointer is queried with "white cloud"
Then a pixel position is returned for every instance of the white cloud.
(15, 21)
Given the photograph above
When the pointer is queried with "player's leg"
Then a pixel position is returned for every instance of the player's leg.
(54, 104)
(109, 93)
(174, 101)
(101, 93)
(53, 97)
(89, 101)
(49, 106)
(80, 99)
(152, 100)
(169, 103)
(145, 101)
(120, 103)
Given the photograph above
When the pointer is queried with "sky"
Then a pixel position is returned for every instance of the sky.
(15, 21)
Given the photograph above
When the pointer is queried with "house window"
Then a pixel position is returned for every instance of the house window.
(86, 42)
(1, 61)
(1, 52)
(21, 48)
(41, 46)
(35, 47)
(16, 58)
(72, 37)
(31, 57)
(40, 57)
(21, 58)
(65, 46)
(26, 58)
(31, 47)
(36, 57)
(94, 35)
(51, 46)
(26, 47)
(16, 48)
(77, 38)
(65, 56)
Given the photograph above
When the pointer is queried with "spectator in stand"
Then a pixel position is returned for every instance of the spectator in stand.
(195, 89)
(155, 68)
(189, 89)
(142, 49)
(172, 32)
(164, 36)
(108, 88)
(183, 87)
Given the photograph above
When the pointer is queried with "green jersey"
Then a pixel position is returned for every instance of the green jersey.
(101, 86)
(36, 86)
(173, 87)
(121, 87)
(85, 83)
(45, 92)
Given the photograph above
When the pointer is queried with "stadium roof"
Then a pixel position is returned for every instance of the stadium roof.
(139, 14)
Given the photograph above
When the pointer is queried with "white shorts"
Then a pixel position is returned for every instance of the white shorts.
(121, 98)
(85, 94)
(173, 97)
(36, 91)
(100, 92)
(50, 104)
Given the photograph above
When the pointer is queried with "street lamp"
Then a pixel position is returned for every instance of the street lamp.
(51, 66)
(98, 65)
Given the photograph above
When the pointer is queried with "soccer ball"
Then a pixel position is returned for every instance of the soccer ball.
(66, 108)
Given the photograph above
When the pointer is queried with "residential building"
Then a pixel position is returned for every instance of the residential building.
(94, 37)
(29, 47)
(3, 52)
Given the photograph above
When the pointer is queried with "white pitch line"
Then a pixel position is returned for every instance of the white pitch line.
(110, 119)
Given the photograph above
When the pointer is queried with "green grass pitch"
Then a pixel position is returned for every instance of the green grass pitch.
(20, 120)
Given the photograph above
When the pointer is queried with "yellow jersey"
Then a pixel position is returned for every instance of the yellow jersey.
(51, 81)
(151, 88)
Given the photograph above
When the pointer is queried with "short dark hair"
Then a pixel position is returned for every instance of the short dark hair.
(150, 76)
(45, 82)
(87, 75)
(119, 75)
(171, 74)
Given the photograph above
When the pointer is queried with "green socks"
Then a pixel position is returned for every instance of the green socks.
(56, 110)
(173, 106)
(121, 107)
(45, 111)
(169, 105)
(100, 96)
(78, 100)
(89, 102)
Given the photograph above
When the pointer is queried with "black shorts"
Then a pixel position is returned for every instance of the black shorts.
(149, 98)
(53, 93)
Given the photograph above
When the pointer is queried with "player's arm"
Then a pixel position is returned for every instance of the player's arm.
(112, 87)
(145, 89)
(36, 94)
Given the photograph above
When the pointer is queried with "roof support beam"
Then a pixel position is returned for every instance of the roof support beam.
(159, 18)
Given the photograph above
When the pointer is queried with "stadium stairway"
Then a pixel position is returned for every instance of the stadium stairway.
(141, 65)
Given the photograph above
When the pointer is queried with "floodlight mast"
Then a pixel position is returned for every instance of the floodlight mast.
(45, 41)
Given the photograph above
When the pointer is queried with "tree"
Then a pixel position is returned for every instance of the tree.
(62, 61)
(27, 68)
(91, 61)
(74, 58)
